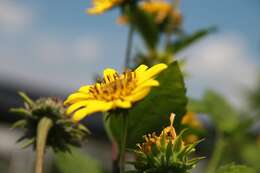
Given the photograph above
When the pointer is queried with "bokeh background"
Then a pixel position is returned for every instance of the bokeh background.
(51, 47)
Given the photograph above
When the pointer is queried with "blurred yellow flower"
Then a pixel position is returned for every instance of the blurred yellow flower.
(191, 120)
(115, 91)
(100, 6)
(122, 20)
(159, 8)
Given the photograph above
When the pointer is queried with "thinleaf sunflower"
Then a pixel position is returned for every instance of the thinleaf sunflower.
(115, 91)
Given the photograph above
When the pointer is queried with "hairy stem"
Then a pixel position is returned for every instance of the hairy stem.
(216, 156)
(123, 144)
(42, 132)
(129, 46)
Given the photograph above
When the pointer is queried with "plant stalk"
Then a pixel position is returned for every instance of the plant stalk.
(43, 128)
(123, 144)
(129, 46)
(216, 156)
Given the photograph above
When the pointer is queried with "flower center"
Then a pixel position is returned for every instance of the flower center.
(114, 86)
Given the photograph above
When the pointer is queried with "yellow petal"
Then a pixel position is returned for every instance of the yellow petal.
(94, 106)
(139, 95)
(122, 104)
(152, 72)
(75, 97)
(85, 89)
(156, 69)
(141, 68)
(148, 83)
(76, 106)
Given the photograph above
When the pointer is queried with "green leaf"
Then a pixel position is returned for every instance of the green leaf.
(250, 153)
(221, 112)
(19, 124)
(152, 114)
(76, 162)
(27, 143)
(187, 40)
(145, 24)
(169, 152)
(232, 168)
(177, 145)
(20, 111)
(27, 99)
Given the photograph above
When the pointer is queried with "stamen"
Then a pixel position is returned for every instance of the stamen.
(114, 86)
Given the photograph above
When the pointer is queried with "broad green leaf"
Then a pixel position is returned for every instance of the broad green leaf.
(221, 112)
(76, 162)
(152, 114)
(187, 40)
(145, 24)
(232, 168)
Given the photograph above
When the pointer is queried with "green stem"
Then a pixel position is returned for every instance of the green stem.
(129, 46)
(42, 132)
(123, 144)
(216, 156)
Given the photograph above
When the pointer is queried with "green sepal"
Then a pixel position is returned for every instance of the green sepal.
(26, 99)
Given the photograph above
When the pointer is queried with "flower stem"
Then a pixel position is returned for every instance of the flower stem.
(129, 46)
(216, 156)
(123, 144)
(42, 132)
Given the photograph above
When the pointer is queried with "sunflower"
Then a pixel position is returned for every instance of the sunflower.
(100, 6)
(115, 91)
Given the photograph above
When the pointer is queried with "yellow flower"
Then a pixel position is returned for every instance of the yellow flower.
(191, 119)
(115, 91)
(159, 8)
(100, 6)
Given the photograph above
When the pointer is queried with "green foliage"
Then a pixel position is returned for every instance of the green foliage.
(254, 100)
(250, 154)
(225, 117)
(152, 113)
(62, 133)
(232, 168)
(76, 162)
(145, 25)
(166, 156)
(187, 40)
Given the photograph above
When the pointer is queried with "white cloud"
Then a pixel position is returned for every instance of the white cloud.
(221, 62)
(87, 47)
(14, 16)
(47, 61)
(50, 49)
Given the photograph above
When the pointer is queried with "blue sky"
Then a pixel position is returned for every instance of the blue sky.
(54, 44)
